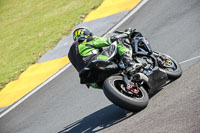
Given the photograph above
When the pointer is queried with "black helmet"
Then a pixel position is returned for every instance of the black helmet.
(81, 34)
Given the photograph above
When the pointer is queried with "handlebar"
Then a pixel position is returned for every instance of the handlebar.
(127, 33)
(118, 32)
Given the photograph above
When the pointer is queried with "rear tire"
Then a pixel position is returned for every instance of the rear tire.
(114, 94)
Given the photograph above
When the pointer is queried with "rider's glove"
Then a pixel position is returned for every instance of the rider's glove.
(130, 32)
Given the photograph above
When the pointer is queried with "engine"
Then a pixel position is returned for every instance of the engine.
(148, 61)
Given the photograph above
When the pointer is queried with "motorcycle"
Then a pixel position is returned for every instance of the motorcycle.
(131, 91)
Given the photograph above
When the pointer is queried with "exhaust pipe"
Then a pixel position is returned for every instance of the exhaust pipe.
(140, 76)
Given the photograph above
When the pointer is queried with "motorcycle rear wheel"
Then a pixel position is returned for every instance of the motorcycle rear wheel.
(113, 91)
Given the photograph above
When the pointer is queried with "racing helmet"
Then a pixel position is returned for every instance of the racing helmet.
(81, 34)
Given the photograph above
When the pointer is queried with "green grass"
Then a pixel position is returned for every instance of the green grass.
(29, 28)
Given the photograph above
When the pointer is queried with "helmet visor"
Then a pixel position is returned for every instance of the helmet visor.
(81, 33)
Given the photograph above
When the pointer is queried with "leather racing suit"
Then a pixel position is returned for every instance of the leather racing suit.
(81, 53)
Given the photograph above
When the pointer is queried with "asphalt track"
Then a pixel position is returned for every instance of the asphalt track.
(63, 105)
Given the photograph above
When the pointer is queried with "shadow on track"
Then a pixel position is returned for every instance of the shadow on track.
(99, 120)
(102, 118)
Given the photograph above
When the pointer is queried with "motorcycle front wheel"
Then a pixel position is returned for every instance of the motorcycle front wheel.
(113, 89)
(170, 66)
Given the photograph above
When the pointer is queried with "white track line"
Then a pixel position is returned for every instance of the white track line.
(185, 61)
(142, 3)
(68, 65)
(33, 91)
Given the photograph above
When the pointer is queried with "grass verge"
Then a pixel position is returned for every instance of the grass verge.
(29, 28)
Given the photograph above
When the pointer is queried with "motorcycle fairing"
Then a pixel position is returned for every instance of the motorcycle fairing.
(157, 78)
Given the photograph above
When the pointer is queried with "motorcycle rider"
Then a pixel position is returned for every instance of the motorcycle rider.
(87, 48)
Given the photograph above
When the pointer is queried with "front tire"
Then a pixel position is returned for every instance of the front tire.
(112, 91)
(170, 66)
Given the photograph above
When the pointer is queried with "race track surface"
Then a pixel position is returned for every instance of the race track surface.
(63, 105)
